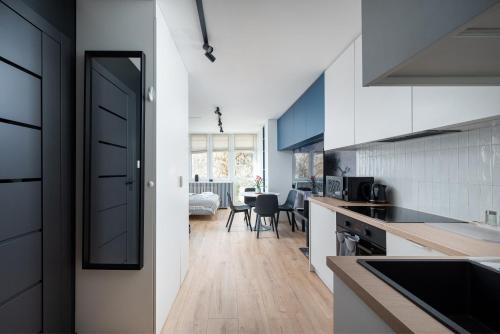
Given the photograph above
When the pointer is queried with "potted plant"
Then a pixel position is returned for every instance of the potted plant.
(258, 184)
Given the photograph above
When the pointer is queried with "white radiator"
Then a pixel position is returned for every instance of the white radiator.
(219, 188)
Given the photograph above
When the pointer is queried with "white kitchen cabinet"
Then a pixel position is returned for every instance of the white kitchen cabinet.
(339, 101)
(435, 107)
(322, 241)
(397, 246)
(380, 112)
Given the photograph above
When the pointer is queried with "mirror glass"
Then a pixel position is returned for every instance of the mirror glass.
(114, 109)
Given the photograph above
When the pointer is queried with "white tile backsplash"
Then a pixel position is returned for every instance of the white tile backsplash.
(455, 175)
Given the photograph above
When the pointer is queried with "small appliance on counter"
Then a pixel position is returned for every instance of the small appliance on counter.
(378, 193)
(349, 188)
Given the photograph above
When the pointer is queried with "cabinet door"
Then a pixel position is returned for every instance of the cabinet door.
(285, 130)
(435, 107)
(380, 112)
(322, 243)
(397, 246)
(339, 101)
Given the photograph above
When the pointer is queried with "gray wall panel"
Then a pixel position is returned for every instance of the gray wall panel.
(24, 313)
(20, 207)
(20, 42)
(20, 96)
(21, 264)
(20, 149)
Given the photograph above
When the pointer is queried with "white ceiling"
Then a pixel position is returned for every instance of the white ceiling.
(268, 52)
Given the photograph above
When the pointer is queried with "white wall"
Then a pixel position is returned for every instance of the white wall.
(172, 153)
(455, 175)
(115, 301)
(278, 163)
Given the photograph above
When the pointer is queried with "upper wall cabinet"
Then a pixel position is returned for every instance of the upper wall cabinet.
(429, 42)
(339, 101)
(380, 112)
(304, 121)
(435, 107)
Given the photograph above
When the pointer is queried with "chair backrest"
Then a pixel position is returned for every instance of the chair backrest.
(290, 199)
(230, 201)
(266, 205)
(249, 200)
(299, 200)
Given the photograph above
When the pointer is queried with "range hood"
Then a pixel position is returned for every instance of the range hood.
(431, 42)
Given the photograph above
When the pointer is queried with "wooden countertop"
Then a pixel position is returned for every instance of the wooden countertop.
(397, 311)
(424, 234)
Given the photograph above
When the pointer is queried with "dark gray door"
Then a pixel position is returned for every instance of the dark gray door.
(20, 174)
(36, 245)
(114, 172)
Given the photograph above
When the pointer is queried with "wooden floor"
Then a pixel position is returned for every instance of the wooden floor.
(238, 284)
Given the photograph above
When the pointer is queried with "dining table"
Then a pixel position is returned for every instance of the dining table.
(254, 194)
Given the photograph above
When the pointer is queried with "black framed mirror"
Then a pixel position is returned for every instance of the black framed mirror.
(113, 222)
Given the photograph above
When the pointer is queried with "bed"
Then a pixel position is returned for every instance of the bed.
(202, 204)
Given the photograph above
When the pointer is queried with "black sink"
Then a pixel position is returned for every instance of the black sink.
(461, 294)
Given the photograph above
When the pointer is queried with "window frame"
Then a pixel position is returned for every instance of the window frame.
(231, 157)
(311, 170)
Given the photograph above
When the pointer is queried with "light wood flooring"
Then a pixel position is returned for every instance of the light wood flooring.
(239, 284)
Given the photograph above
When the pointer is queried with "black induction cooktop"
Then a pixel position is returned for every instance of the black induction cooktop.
(395, 214)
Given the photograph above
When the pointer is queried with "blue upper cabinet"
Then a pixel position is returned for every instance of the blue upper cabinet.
(304, 122)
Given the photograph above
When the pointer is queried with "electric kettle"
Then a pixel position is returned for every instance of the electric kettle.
(378, 193)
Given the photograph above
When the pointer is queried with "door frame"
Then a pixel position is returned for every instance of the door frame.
(87, 134)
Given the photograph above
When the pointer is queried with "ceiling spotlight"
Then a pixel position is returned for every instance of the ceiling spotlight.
(210, 56)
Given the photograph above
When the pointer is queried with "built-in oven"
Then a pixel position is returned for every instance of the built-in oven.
(356, 238)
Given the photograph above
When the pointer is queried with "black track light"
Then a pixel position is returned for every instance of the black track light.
(203, 25)
(210, 56)
(219, 116)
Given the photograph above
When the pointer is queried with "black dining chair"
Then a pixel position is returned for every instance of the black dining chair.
(236, 209)
(289, 207)
(250, 201)
(266, 205)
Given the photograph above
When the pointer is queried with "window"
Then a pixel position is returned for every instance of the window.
(220, 157)
(224, 157)
(318, 165)
(302, 165)
(199, 156)
(244, 148)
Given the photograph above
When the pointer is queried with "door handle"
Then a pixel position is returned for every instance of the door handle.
(129, 182)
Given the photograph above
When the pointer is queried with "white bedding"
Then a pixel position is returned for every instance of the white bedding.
(205, 203)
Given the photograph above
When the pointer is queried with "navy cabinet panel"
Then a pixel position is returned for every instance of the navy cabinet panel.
(316, 108)
(305, 120)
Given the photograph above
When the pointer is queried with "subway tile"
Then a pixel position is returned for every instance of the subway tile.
(474, 193)
(474, 165)
(449, 141)
(495, 135)
(495, 165)
(463, 164)
(485, 136)
(459, 201)
(474, 137)
(485, 201)
(485, 165)
(463, 139)
(452, 156)
(495, 205)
